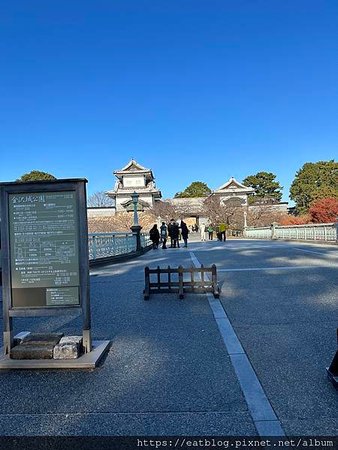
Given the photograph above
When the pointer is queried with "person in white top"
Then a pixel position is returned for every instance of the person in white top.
(202, 231)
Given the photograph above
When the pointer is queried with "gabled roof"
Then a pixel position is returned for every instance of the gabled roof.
(141, 205)
(133, 166)
(233, 185)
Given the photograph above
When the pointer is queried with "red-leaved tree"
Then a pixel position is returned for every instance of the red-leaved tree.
(289, 219)
(324, 210)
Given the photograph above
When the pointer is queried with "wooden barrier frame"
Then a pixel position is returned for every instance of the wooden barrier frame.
(202, 285)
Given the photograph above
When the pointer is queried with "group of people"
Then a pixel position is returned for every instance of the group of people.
(173, 230)
(210, 229)
(176, 231)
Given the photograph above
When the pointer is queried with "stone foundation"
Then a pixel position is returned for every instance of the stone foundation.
(69, 347)
(46, 346)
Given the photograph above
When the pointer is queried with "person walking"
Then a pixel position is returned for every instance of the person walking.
(210, 230)
(202, 231)
(164, 235)
(154, 236)
(222, 231)
(184, 232)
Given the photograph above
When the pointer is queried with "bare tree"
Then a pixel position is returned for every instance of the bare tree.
(263, 215)
(99, 199)
(165, 210)
(227, 212)
(189, 207)
(120, 222)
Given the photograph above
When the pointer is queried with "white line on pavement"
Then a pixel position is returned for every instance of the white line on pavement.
(317, 253)
(269, 268)
(262, 413)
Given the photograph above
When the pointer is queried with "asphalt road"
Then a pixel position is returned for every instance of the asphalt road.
(281, 299)
(168, 371)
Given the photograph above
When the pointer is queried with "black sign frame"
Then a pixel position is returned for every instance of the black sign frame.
(78, 186)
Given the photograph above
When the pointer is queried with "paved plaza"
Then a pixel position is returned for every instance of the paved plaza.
(249, 363)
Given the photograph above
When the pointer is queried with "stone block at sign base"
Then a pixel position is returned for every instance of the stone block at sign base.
(20, 337)
(27, 351)
(69, 347)
(77, 340)
(42, 339)
(66, 351)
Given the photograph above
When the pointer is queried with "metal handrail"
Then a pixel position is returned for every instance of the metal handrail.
(327, 232)
(105, 245)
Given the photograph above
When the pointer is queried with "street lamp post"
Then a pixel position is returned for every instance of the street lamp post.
(245, 223)
(136, 228)
(134, 197)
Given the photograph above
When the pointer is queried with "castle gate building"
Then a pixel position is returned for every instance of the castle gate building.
(134, 178)
(233, 193)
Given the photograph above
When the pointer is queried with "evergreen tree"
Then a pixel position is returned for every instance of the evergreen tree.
(36, 175)
(312, 182)
(267, 189)
(195, 189)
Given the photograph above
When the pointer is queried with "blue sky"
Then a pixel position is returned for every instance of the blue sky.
(195, 90)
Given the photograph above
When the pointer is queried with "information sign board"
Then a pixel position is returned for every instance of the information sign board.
(45, 263)
(44, 246)
(44, 249)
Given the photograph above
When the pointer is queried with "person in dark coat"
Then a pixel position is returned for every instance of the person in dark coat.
(174, 235)
(154, 236)
(184, 232)
(164, 234)
(173, 231)
(170, 227)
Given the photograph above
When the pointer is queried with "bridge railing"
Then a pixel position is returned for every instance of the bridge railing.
(145, 240)
(326, 232)
(258, 233)
(105, 245)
